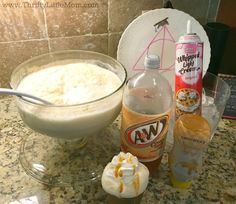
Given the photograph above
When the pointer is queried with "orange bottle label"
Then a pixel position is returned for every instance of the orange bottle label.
(144, 135)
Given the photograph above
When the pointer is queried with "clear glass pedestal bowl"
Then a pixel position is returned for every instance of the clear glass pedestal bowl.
(69, 143)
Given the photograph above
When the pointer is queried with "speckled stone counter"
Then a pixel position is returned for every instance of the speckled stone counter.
(216, 184)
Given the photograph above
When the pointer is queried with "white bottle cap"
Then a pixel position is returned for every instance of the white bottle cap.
(189, 27)
(152, 61)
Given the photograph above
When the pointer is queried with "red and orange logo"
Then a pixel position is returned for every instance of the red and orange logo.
(144, 134)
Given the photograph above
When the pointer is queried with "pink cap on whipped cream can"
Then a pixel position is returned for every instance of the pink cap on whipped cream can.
(188, 74)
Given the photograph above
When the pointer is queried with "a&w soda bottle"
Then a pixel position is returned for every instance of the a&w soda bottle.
(147, 103)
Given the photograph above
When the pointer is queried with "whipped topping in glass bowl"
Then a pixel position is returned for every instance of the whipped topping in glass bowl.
(125, 176)
(70, 84)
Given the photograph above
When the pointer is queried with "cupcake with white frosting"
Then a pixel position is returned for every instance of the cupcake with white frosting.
(125, 179)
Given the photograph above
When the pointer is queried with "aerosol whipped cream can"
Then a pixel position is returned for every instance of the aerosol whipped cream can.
(188, 74)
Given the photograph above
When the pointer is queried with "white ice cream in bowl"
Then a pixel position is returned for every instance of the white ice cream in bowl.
(84, 87)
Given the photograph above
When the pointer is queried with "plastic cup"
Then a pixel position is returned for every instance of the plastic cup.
(216, 93)
(115, 200)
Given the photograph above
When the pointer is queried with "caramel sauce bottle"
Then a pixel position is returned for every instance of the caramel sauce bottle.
(192, 134)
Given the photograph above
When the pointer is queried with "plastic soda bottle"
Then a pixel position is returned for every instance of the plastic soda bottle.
(147, 103)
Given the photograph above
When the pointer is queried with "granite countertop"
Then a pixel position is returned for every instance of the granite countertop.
(216, 184)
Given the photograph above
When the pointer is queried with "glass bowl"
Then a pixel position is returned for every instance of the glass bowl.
(70, 143)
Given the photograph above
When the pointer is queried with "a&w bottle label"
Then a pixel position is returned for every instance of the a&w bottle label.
(143, 135)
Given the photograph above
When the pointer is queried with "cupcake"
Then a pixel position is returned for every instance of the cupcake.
(125, 179)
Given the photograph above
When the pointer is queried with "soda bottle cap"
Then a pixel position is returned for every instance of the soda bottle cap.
(152, 61)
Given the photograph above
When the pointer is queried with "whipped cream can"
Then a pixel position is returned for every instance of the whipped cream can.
(188, 74)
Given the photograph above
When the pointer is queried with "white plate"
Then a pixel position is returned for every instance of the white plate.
(156, 32)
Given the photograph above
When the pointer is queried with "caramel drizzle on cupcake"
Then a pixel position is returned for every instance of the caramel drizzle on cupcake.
(118, 173)
(121, 187)
(136, 183)
(117, 170)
